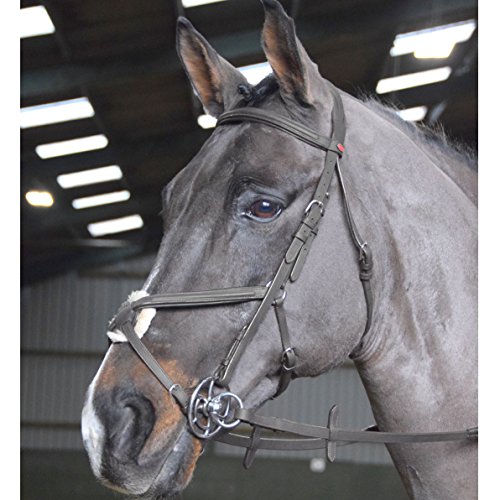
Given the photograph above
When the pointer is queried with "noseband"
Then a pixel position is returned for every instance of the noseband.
(210, 409)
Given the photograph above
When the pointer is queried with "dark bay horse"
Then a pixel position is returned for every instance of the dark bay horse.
(229, 217)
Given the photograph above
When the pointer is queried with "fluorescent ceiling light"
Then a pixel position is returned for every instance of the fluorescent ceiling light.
(195, 3)
(115, 225)
(35, 21)
(56, 112)
(412, 80)
(437, 42)
(39, 198)
(206, 121)
(72, 146)
(92, 176)
(254, 73)
(100, 199)
(415, 114)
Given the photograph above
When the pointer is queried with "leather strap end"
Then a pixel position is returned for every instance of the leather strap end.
(293, 250)
(301, 258)
(331, 446)
(472, 433)
(253, 447)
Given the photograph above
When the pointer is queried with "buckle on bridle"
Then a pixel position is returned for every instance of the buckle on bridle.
(288, 356)
(173, 388)
(311, 204)
(278, 301)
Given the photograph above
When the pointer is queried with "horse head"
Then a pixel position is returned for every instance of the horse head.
(244, 208)
(229, 217)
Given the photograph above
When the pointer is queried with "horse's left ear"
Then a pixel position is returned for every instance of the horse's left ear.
(296, 73)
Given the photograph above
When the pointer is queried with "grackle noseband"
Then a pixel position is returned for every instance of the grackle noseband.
(210, 408)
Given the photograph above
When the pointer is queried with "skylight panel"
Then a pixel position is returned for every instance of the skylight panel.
(414, 114)
(254, 73)
(100, 199)
(56, 112)
(410, 80)
(72, 146)
(206, 121)
(113, 226)
(91, 176)
(35, 21)
(39, 198)
(195, 3)
(437, 42)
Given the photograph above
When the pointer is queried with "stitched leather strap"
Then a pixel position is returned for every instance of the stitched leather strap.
(316, 437)
(273, 120)
(290, 442)
(325, 433)
(201, 298)
(228, 364)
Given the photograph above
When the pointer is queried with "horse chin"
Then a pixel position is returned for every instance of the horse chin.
(177, 470)
(174, 473)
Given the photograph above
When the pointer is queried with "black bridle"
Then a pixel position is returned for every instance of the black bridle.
(207, 409)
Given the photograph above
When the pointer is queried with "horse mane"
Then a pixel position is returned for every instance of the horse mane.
(433, 138)
(455, 159)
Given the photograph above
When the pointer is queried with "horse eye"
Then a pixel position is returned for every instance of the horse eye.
(264, 210)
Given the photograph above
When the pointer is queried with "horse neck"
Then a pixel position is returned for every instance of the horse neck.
(419, 361)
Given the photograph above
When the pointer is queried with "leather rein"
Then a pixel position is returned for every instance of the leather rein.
(210, 408)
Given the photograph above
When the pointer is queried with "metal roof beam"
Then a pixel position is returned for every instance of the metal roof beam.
(242, 47)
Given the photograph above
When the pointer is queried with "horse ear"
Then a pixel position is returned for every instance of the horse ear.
(295, 72)
(214, 79)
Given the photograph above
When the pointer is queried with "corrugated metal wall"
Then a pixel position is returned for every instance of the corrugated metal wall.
(63, 340)
(63, 322)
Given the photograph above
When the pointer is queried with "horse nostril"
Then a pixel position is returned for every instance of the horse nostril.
(129, 423)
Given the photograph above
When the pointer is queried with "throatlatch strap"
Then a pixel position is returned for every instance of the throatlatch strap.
(365, 261)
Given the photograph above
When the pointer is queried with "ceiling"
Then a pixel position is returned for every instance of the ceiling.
(121, 55)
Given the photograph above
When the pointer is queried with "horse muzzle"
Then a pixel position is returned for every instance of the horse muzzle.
(137, 444)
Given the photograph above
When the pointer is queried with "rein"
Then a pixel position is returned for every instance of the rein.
(210, 411)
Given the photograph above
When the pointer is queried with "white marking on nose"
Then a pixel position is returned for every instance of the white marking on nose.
(143, 319)
(92, 427)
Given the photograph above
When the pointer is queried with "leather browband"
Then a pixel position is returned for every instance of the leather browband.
(257, 115)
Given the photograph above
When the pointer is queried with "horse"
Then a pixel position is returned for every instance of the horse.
(229, 218)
